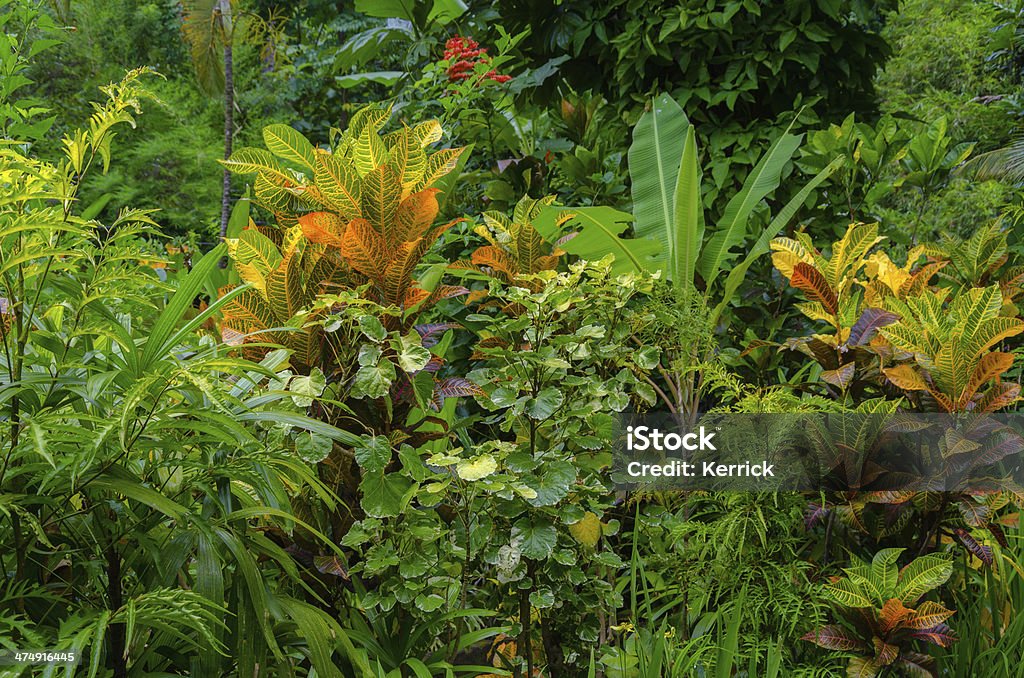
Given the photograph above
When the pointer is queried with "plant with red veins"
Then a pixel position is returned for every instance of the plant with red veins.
(883, 615)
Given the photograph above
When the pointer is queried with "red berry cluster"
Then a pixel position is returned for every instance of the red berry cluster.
(466, 53)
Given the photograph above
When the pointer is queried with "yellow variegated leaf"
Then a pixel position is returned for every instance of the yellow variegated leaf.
(288, 144)
(257, 252)
(285, 290)
(380, 199)
(787, 253)
(270, 192)
(415, 168)
(253, 160)
(438, 165)
(339, 184)
(369, 151)
(372, 117)
(427, 133)
(906, 377)
(849, 251)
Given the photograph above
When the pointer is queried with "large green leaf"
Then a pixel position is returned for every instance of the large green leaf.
(732, 229)
(688, 225)
(599, 233)
(388, 9)
(654, 159)
(763, 244)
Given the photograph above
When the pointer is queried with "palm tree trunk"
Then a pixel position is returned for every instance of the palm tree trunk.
(229, 129)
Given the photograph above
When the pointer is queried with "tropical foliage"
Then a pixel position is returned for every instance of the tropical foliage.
(320, 344)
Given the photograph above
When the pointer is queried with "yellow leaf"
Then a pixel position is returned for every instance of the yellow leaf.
(587, 531)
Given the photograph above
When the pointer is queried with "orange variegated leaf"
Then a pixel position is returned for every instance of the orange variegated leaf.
(415, 215)
(475, 296)
(927, 615)
(323, 227)
(398, 274)
(414, 296)
(893, 614)
(444, 292)
(999, 396)
(365, 250)
(493, 258)
(885, 653)
(991, 366)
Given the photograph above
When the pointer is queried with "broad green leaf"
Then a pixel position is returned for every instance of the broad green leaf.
(305, 389)
(536, 537)
(313, 447)
(385, 495)
(545, 404)
(412, 356)
(373, 381)
(688, 219)
(556, 478)
(598, 233)
(654, 161)
(763, 244)
(373, 453)
(163, 329)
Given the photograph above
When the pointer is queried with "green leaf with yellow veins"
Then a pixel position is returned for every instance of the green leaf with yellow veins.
(587, 531)
(476, 468)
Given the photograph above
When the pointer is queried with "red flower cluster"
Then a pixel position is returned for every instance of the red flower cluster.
(466, 53)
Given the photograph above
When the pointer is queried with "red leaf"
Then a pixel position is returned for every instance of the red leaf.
(981, 551)
(833, 637)
(867, 325)
(940, 634)
(811, 282)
